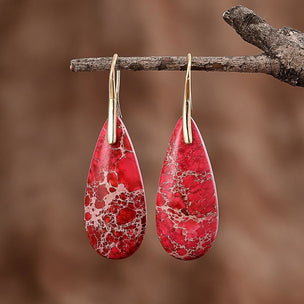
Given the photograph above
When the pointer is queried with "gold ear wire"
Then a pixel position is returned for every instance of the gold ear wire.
(187, 105)
(114, 85)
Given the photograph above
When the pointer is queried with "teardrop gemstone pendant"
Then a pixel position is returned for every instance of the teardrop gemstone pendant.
(115, 206)
(186, 207)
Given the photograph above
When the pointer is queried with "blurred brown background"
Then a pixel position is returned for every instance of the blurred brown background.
(253, 126)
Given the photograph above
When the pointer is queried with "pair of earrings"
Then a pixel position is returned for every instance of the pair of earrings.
(115, 205)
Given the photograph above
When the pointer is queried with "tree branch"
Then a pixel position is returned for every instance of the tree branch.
(260, 63)
(282, 57)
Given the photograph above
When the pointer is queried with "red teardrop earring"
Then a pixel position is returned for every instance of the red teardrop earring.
(115, 206)
(186, 205)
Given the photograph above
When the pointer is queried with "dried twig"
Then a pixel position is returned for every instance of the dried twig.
(282, 57)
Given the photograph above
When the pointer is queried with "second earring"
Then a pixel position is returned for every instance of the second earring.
(187, 206)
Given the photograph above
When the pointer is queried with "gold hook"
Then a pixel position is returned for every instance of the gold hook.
(114, 85)
(187, 105)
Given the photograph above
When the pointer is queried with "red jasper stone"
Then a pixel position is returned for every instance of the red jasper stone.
(115, 206)
(186, 206)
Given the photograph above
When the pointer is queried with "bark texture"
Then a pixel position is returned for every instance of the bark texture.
(284, 47)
